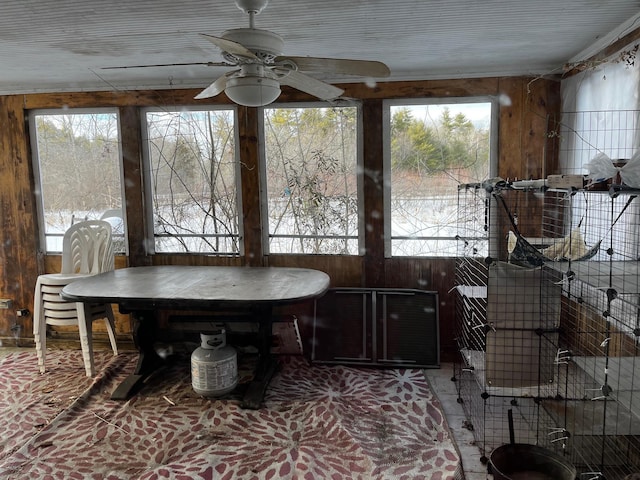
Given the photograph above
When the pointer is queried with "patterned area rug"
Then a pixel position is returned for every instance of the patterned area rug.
(31, 401)
(317, 422)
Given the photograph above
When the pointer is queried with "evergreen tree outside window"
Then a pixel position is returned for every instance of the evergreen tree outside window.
(431, 148)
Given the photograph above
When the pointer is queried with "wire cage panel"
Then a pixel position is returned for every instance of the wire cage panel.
(548, 315)
(487, 416)
(508, 318)
(583, 135)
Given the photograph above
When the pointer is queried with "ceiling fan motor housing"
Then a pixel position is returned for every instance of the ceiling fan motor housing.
(252, 6)
(260, 41)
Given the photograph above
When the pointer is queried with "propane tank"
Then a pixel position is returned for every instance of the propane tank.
(214, 366)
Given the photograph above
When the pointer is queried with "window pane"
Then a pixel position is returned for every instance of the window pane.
(193, 179)
(311, 178)
(433, 148)
(78, 157)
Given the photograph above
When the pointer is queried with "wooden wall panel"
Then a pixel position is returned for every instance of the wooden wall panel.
(510, 128)
(539, 106)
(345, 271)
(521, 147)
(419, 89)
(121, 98)
(250, 179)
(373, 181)
(151, 98)
(528, 108)
(194, 260)
(18, 232)
(132, 165)
(433, 274)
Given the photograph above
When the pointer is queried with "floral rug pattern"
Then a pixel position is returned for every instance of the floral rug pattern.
(30, 400)
(317, 422)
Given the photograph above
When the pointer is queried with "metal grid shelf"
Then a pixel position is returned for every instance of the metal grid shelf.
(577, 322)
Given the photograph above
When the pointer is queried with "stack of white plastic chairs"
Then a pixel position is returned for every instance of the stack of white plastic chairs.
(87, 249)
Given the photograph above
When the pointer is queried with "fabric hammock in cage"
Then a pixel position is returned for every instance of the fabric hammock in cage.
(571, 247)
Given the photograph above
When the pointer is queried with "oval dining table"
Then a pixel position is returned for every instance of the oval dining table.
(144, 291)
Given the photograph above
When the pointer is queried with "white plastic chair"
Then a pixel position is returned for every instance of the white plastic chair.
(87, 249)
(115, 218)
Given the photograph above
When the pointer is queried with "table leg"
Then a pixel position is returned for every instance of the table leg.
(144, 334)
(267, 364)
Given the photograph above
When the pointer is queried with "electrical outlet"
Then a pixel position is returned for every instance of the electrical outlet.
(5, 303)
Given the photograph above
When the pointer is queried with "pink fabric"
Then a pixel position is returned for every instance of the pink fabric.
(317, 422)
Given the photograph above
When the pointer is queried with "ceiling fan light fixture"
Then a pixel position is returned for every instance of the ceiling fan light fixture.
(252, 91)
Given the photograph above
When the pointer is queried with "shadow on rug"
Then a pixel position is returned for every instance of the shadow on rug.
(31, 400)
(317, 422)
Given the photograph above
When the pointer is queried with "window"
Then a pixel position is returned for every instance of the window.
(600, 115)
(193, 181)
(311, 158)
(77, 165)
(431, 148)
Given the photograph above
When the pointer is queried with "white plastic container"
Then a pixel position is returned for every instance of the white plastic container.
(214, 366)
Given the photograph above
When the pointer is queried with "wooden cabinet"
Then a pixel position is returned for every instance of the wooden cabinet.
(392, 327)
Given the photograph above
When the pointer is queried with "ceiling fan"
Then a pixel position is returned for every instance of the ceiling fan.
(262, 68)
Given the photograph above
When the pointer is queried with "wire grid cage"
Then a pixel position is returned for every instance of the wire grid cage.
(600, 326)
(583, 135)
(508, 319)
(585, 246)
(600, 320)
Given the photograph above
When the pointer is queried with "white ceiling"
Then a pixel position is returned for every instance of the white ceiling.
(63, 45)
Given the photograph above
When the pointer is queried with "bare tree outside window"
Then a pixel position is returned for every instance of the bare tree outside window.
(311, 178)
(433, 149)
(192, 174)
(77, 159)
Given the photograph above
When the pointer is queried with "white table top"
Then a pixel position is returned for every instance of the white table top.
(178, 287)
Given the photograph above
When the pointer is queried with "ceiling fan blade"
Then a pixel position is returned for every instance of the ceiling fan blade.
(342, 66)
(310, 85)
(214, 89)
(208, 64)
(229, 46)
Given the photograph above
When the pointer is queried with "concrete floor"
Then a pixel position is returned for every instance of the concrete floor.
(445, 389)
